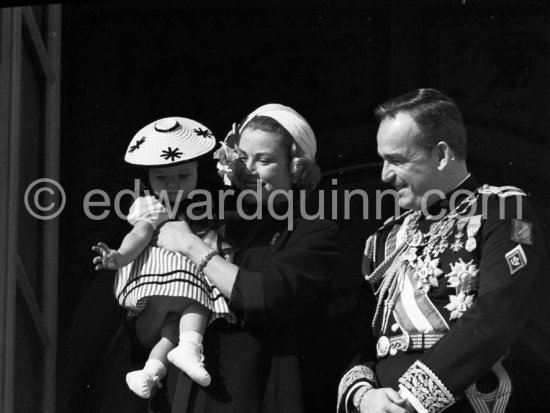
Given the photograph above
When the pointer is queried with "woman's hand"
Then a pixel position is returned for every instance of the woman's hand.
(385, 400)
(175, 236)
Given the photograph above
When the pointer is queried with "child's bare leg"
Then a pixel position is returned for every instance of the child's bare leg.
(187, 356)
(151, 320)
(142, 382)
(168, 340)
(194, 319)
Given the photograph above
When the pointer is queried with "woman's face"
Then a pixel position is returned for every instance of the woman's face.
(264, 161)
(172, 179)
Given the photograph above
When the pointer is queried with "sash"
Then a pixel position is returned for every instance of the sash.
(415, 312)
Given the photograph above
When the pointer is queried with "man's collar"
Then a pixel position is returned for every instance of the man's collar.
(467, 186)
(464, 188)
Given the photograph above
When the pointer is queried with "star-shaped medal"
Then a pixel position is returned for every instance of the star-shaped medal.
(459, 304)
(463, 276)
(457, 245)
(426, 273)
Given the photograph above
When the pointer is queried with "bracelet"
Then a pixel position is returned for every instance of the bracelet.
(205, 259)
(358, 396)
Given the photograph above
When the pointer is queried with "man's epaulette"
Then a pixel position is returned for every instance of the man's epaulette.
(502, 191)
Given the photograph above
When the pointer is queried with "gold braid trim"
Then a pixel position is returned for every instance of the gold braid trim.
(356, 374)
(426, 387)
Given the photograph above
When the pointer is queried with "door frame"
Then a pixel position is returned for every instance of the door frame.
(19, 28)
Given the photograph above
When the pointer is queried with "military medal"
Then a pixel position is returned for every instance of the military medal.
(473, 227)
(464, 279)
(471, 244)
(457, 245)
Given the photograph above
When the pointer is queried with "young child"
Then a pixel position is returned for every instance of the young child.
(158, 285)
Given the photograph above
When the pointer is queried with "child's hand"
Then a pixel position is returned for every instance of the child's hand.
(108, 258)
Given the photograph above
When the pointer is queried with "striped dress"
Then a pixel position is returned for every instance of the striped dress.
(159, 272)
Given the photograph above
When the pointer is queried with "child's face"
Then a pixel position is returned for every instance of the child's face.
(172, 179)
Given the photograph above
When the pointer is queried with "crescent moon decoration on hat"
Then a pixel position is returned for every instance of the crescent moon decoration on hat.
(292, 121)
(169, 141)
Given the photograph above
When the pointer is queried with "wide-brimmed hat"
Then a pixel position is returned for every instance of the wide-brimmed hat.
(169, 141)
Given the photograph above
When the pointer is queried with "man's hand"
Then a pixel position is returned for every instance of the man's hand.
(108, 258)
(385, 400)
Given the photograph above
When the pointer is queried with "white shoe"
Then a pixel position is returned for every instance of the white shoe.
(142, 382)
(188, 357)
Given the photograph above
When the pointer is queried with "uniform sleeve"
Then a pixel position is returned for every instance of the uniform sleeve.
(360, 373)
(292, 279)
(361, 370)
(148, 209)
(511, 253)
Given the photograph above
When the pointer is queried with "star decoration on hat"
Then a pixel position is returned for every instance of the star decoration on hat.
(139, 142)
(205, 133)
(171, 153)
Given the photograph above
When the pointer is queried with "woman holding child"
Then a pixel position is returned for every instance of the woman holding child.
(277, 284)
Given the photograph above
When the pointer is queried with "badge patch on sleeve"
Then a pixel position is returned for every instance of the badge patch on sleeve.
(522, 232)
(516, 259)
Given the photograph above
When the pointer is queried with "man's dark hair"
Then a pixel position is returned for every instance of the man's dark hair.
(436, 115)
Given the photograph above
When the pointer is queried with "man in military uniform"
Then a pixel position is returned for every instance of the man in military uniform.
(452, 276)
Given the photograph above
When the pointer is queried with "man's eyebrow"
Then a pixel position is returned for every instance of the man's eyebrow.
(391, 155)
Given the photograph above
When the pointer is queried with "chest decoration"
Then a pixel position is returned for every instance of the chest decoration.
(464, 279)
(426, 273)
(458, 244)
(418, 254)
(422, 250)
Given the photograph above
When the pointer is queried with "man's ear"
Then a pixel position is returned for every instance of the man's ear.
(444, 155)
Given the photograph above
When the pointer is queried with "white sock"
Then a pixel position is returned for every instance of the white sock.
(187, 356)
(191, 337)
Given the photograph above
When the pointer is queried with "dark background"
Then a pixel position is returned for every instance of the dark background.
(128, 63)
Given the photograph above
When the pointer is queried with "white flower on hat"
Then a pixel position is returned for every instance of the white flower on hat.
(227, 156)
